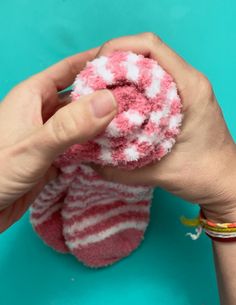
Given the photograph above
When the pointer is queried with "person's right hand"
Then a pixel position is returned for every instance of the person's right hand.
(37, 123)
(202, 165)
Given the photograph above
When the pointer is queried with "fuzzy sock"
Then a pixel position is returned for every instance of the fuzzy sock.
(46, 210)
(101, 222)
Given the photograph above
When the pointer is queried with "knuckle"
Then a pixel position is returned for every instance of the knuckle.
(71, 68)
(199, 84)
(70, 126)
(152, 38)
(64, 127)
(204, 85)
(108, 44)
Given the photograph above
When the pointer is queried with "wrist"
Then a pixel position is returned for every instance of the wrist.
(225, 214)
(221, 207)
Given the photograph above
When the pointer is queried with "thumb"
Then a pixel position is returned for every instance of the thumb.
(77, 122)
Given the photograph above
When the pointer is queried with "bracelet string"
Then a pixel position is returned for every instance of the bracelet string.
(216, 231)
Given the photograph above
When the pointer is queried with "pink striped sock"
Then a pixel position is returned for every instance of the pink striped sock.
(46, 210)
(103, 221)
(98, 221)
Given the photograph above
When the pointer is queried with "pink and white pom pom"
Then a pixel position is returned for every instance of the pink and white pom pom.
(149, 113)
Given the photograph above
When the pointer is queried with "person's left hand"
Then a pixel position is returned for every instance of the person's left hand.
(36, 125)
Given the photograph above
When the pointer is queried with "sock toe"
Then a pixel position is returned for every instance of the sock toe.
(50, 231)
(110, 250)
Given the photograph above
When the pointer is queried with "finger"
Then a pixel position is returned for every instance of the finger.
(57, 78)
(61, 99)
(41, 89)
(140, 176)
(150, 45)
(77, 122)
(63, 73)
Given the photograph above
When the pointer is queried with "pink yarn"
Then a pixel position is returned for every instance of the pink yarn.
(100, 222)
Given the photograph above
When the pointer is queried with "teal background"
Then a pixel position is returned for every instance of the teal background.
(168, 268)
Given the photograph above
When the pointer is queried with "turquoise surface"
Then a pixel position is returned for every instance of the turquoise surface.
(168, 268)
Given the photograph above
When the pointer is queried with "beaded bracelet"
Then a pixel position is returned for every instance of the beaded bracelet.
(225, 232)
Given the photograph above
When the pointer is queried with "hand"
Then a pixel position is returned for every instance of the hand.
(36, 125)
(202, 165)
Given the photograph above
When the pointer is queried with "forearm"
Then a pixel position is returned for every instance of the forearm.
(225, 261)
(221, 211)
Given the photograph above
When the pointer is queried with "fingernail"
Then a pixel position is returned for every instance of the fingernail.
(103, 103)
